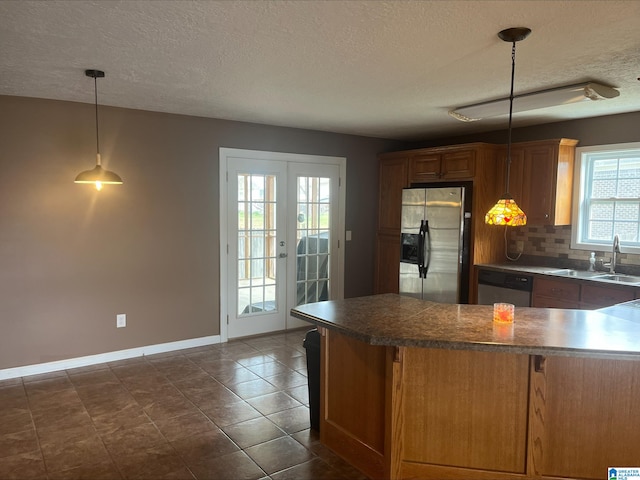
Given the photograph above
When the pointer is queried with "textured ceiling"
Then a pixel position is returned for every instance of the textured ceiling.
(377, 68)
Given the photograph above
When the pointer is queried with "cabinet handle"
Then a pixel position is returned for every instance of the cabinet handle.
(538, 363)
(546, 215)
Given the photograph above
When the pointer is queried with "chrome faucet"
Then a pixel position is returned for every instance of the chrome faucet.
(614, 254)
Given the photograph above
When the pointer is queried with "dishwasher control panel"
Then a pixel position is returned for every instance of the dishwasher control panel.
(515, 281)
(496, 286)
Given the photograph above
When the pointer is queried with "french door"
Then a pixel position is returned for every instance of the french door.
(283, 230)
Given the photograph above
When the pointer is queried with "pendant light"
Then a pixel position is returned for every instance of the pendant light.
(98, 175)
(506, 211)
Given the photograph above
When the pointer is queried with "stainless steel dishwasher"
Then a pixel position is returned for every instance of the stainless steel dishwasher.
(494, 286)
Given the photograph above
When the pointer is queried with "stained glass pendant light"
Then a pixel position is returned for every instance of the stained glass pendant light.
(506, 211)
(98, 175)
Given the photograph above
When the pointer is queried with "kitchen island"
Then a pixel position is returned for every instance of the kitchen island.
(417, 389)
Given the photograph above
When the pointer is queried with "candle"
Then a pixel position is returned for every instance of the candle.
(503, 312)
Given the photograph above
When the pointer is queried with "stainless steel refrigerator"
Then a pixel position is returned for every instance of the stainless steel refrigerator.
(434, 261)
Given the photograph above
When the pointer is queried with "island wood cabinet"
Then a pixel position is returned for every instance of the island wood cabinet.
(462, 408)
(475, 162)
(584, 416)
(551, 292)
(541, 180)
(409, 412)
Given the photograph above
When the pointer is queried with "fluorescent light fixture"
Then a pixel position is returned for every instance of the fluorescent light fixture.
(535, 100)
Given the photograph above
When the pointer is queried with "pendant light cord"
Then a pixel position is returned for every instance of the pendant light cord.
(95, 90)
(506, 248)
(513, 76)
(513, 73)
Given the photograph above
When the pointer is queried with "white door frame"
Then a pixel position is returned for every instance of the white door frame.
(228, 154)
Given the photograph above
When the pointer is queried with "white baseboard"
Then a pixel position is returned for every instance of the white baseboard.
(36, 369)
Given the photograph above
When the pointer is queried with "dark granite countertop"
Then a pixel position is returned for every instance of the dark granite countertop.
(395, 320)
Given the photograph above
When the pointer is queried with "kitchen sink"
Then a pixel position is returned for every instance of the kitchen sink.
(619, 278)
(563, 271)
(567, 272)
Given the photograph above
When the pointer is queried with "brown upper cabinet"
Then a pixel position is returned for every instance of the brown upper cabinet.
(541, 180)
(458, 163)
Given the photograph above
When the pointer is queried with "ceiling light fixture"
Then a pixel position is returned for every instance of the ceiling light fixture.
(506, 211)
(535, 100)
(97, 175)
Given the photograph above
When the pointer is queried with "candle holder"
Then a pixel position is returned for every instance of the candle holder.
(503, 331)
(503, 312)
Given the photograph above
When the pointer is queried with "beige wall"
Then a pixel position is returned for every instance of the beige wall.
(72, 258)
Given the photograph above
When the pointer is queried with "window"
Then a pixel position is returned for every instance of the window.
(607, 197)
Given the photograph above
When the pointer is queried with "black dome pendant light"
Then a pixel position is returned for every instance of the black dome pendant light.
(98, 175)
(506, 211)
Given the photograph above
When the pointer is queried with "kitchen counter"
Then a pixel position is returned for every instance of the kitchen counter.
(395, 320)
(418, 389)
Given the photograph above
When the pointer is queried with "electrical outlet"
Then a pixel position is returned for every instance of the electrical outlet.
(519, 246)
(121, 320)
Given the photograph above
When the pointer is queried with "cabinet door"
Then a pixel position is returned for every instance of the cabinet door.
(541, 301)
(551, 293)
(584, 416)
(393, 178)
(464, 409)
(425, 167)
(547, 180)
(458, 165)
(596, 296)
(538, 192)
(387, 267)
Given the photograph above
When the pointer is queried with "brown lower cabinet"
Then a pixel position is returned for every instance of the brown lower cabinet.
(551, 292)
(408, 412)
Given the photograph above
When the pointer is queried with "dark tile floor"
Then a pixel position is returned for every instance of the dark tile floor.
(238, 410)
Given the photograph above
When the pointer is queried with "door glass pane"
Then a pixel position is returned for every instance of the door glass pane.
(313, 239)
(256, 244)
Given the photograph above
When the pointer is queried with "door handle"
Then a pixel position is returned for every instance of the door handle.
(282, 255)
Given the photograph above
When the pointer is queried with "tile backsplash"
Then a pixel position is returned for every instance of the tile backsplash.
(552, 246)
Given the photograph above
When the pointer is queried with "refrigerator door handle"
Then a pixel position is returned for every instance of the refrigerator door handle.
(424, 247)
(421, 249)
(427, 249)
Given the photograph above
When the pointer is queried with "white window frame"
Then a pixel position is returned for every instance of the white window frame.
(579, 193)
